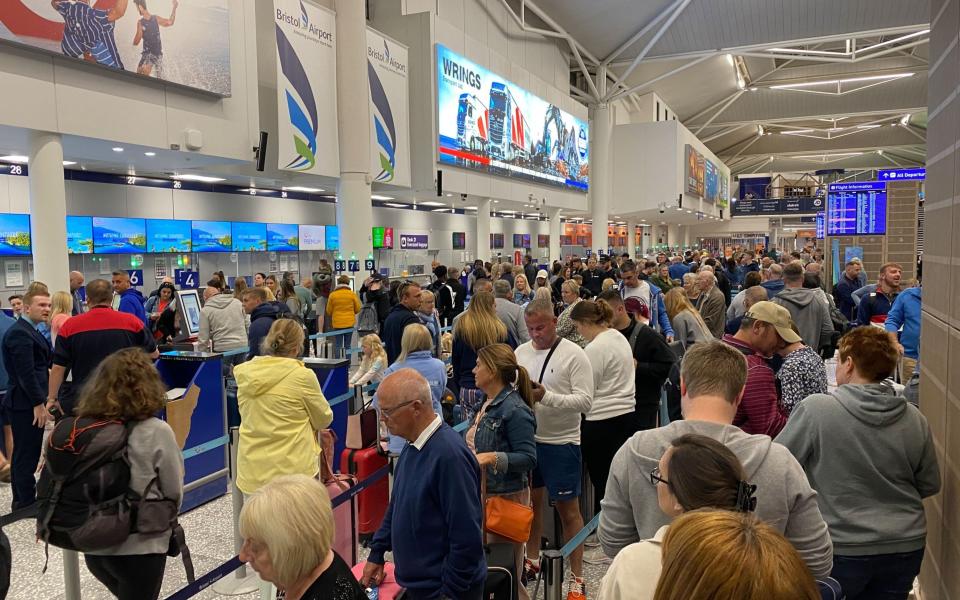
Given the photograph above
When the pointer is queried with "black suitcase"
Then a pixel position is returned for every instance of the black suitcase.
(502, 576)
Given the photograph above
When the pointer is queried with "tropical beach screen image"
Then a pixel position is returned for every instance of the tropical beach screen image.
(79, 235)
(14, 235)
(119, 236)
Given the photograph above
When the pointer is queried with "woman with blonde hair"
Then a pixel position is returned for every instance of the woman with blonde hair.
(543, 293)
(61, 309)
(502, 432)
(688, 326)
(476, 328)
(288, 530)
(521, 289)
(570, 293)
(374, 361)
(281, 408)
(726, 555)
(127, 387)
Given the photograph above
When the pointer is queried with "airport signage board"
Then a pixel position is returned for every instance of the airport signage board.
(902, 174)
(857, 208)
(387, 72)
(174, 43)
(777, 206)
(413, 242)
(487, 123)
(307, 139)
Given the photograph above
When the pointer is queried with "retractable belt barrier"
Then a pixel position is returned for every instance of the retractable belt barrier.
(235, 352)
(551, 562)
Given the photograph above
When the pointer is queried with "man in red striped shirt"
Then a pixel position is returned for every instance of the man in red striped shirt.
(765, 328)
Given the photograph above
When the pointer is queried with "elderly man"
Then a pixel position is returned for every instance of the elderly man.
(510, 313)
(774, 281)
(711, 302)
(76, 282)
(433, 522)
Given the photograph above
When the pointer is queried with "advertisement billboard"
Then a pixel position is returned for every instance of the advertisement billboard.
(283, 237)
(211, 236)
(79, 235)
(168, 235)
(543, 241)
(119, 236)
(248, 237)
(171, 42)
(313, 237)
(459, 240)
(14, 235)
(489, 124)
(306, 102)
(496, 240)
(387, 68)
(694, 172)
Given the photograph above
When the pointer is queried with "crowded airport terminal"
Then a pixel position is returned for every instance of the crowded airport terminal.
(479, 299)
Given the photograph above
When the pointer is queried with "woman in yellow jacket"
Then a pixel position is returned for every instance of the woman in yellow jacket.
(281, 410)
(342, 308)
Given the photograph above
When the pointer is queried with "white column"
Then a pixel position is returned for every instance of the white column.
(483, 230)
(673, 235)
(632, 239)
(354, 211)
(48, 211)
(601, 173)
(686, 235)
(555, 229)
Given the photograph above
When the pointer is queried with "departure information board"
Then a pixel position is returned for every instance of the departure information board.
(858, 208)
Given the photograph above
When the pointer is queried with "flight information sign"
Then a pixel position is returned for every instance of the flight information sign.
(857, 208)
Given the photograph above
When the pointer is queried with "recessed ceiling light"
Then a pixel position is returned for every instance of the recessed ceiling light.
(149, 153)
(68, 163)
(441, 209)
(378, 197)
(15, 158)
(449, 195)
(202, 178)
(300, 188)
(396, 205)
(117, 149)
(431, 203)
(496, 202)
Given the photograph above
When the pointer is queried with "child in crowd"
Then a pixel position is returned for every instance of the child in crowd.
(374, 361)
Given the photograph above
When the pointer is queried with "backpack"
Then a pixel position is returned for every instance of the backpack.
(84, 501)
(284, 312)
(367, 321)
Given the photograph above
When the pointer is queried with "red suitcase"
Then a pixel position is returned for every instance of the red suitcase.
(372, 502)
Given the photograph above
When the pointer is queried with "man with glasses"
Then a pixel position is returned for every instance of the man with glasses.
(401, 315)
(712, 379)
(433, 522)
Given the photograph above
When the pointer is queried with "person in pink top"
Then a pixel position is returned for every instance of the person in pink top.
(62, 309)
(766, 328)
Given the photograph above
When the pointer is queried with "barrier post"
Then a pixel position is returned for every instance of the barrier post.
(71, 575)
(242, 582)
(551, 567)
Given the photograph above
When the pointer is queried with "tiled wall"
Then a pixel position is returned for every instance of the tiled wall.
(940, 337)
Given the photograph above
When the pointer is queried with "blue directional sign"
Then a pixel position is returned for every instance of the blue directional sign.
(187, 280)
(136, 277)
(369, 265)
(339, 266)
(353, 266)
(902, 174)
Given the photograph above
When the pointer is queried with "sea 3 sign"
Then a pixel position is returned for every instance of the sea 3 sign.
(489, 124)
(306, 102)
(387, 65)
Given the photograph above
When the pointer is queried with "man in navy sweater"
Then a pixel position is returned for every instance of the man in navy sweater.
(433, 522)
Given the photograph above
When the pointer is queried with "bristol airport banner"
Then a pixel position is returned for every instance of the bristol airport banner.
(387, 69)
(306, 94)
(489, 124)
(185, 42)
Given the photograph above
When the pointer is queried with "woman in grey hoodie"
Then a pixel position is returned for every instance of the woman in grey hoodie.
(870, 456)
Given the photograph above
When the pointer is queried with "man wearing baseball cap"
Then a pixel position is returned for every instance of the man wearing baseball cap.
(764, 329)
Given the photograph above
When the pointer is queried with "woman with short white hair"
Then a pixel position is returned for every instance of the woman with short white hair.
(287, 530)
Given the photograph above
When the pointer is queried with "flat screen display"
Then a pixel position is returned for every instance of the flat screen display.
(79, 235)
(313, 237)
(331, 237)
(190, 317)
(543, 241)
(489, 124)
(496, 240)
(459, 240)
(283, 237)
(525, 241)
(517, 240)
(857, 209)
(821, 225)
(119, 236)
(249, 237)
(378, 237)
(168, 235)
(14, 235)
(211, 236)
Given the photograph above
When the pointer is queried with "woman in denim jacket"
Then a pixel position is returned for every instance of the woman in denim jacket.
(501, 433)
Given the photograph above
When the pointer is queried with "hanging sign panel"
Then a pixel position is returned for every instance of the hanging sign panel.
(387, 69)
(306, 98)
(171, 41)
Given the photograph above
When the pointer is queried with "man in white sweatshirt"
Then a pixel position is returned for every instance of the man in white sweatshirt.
(563, 390)
(712, 380)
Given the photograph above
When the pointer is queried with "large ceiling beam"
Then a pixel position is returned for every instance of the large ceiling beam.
(831, 115)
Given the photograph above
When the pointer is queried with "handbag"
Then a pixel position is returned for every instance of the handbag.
(504, 517)
(362, 427)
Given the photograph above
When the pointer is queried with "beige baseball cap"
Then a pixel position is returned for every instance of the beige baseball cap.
(775, 315)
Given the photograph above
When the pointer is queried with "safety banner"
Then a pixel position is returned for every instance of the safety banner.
(387, 72)
(306, 94)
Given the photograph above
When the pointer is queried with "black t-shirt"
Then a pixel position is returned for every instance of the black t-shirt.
(336, 583)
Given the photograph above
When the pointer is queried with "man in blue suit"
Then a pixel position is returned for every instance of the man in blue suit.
(26, 357)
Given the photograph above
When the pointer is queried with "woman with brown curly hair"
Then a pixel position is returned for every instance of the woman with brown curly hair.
(127, 387)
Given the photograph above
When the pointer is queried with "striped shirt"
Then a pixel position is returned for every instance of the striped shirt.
(88, 30)
(759, 410)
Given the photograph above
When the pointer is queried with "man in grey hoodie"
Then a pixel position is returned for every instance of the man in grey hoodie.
(809, 313)
(223, 325)
(871, 456)
(712, 380)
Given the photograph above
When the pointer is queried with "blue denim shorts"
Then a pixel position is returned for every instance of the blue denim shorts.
(559, 469)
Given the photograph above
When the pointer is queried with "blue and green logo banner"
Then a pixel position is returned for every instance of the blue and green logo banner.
(387, 66)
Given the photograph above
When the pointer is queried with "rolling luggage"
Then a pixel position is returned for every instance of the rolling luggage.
(372, 502)
(345, 516)
(502, 576)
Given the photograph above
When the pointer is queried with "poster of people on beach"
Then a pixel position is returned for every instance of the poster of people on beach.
(181, 41)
